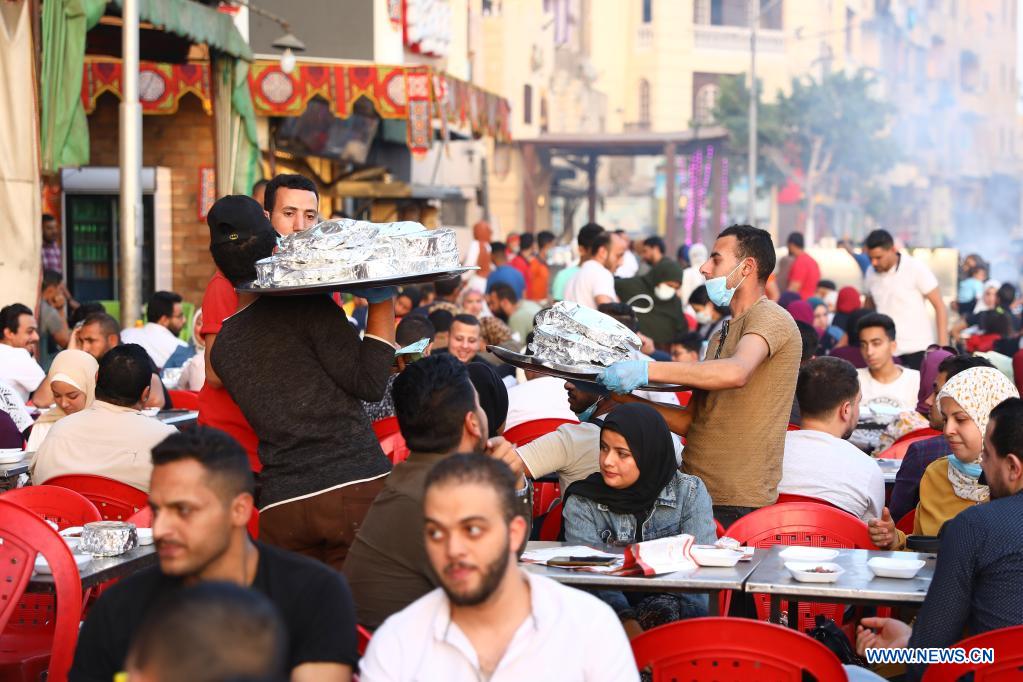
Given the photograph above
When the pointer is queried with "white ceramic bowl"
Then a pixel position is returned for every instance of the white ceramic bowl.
(804, 571)
(145, 535)
(707, 555)
(10, 456)
(43, 567)
(885, 567)
(808, 554)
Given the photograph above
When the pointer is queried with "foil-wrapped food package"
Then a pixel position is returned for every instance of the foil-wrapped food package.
(570, 334)
(345, 250)
(108, 538)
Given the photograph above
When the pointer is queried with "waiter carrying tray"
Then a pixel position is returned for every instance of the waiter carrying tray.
(742, 392)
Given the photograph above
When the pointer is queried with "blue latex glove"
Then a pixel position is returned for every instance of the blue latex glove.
(375, 295)
(625, 376)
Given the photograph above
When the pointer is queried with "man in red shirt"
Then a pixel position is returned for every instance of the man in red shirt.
(804, 273)
(520, 246)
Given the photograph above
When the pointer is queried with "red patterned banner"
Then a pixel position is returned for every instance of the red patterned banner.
(161, 86)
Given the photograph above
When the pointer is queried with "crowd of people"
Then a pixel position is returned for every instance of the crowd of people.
(795, 384)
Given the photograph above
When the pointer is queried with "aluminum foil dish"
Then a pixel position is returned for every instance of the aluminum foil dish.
(339, 252)
(108, 538)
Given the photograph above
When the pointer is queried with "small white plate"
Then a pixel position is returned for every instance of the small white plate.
(145, 535)
(72, 542)
(43, 567)
(10, 456)
(72, 532)
(805, 572)
(708, 555)
(884, 567)
(809, 553)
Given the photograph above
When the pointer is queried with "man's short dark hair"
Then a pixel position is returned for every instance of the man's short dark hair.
(161, 304)
(824, 384)
(1007, 433)
(441, 320)
(691, 341)
(586, 235)
(465, 468)
(796, 239)
(544, 238)
(656, 242)
(808, 335)
(211, 632)
(431, 399)
(995, 322)
(1006, 295)
(286, 181)
(827, 284)
(600, 241)
(504, 292)
(879, 239)
(446, 287)
(526, 241)
(10, 316)
(51, 278)
(236, 260)
(622, 312)
(107, 324)
(124, 375)
(699, 296)
(83, 311)
(876, 320)
(257, 185)
(467, 319)
(413, 328)
(954, 364)
(218, 453)
(498, 249)
(752, 242)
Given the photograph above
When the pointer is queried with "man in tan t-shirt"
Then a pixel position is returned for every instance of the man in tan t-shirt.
(744, 388)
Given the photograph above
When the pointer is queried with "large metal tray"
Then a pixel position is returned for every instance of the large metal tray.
(331, 287)
(584, 373)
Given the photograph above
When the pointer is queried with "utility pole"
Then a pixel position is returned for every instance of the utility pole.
(130, 152)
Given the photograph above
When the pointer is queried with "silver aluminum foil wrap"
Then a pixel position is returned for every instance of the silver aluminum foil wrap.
(570, 334)
(347, 250)
(108, 538)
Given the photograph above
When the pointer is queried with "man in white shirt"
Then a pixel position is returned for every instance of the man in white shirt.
(882, 381)
(18, 344)
(159, 336)
(595, 282)
(490, 619)
(897, 285)
(540, 397)
(111, 438)
(629, 265)
(819, 460)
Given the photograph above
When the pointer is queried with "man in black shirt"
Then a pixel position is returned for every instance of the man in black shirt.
(299, 373)
(201, 495)
(978, 580)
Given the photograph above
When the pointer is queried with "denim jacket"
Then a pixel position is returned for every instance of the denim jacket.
(683, 506)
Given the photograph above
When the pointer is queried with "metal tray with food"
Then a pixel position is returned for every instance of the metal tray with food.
(369, 283)
(579, 373)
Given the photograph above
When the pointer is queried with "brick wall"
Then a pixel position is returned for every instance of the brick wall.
(182, 142)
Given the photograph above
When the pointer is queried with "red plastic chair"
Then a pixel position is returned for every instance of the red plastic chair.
(143, 518)
(898, 449)
(784, 498)
(391, 441)
(726, 649)
(388, 426)
(63, 506)
(551, 528)
(684, 397)
(364, 636)
(719, 528)
(1008, 646)
(917, 434)
(807, 524)
(47, 641)
(116, 501)
(545, 495)
(527, 432)
(793, 427)
(184, 400)
(905, 524)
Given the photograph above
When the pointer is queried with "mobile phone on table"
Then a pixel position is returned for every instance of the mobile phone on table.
(582, 561)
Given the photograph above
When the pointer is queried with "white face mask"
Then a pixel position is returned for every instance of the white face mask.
(664, 291)
(703, 317)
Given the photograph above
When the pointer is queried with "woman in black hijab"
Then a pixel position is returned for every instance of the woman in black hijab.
(493, 395)
(638, 495)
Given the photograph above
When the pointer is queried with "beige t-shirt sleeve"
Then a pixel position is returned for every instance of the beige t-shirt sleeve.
(766, 322)
(572, 452)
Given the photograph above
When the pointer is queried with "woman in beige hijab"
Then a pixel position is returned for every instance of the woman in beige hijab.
(72, 378)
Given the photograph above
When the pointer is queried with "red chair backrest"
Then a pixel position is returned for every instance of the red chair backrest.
(24, 534)
(551, 528)
(898, 449)
(116, 501)
(793, 427)
(807, 524)
(63, 506)
(184, 400)
(545, 494)
(905, 524)
(917, 434)
(386, 427)
(143, 518)
(719, 529)
(1008, 653)
(527, 432)
(364, 636)
(784, 498)
(733, 649)
(684, 397)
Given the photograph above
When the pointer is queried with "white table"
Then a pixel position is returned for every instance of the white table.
(889, 469)
(858, 585)
(16, 468)
(711, 581)
(102, 569)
